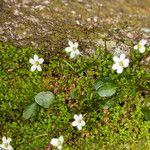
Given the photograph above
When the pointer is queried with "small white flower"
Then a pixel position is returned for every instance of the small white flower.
(58, 142)
(5, 145)
(78, 122)
(120, 63)
(106, 107)
(141, 46)
(73, 49)
(147, 30)
(36, 63)
(117, 49)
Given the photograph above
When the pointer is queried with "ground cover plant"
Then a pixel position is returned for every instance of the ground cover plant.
(74, 102)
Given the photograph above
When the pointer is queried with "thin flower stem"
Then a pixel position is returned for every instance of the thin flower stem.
(88, 65)
(41, 135)
(69, 65)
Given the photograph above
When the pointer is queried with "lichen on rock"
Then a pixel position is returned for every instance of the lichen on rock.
(49, 24)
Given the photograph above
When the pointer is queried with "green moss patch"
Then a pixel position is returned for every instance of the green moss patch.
(121, 126)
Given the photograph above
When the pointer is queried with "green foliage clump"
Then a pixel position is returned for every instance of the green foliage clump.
(121, 126)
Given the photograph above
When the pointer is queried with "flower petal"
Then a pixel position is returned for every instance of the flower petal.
(41, 60)
(126, 63)
(39, 68)
(119, 69)
(79, 127)
(68, 49)
(59, 147)
(10, 147)
(72, 54)
(77, 52)
(142, 49)
(116, 59)
(76, 45)
(122, 56)
(74, 123)
(70, 43)
(117, 49)
(61, 138)
(80, 117)
(1, 146)
(4, 139)
(83, 123)
(76, 117)
(36, 58)
(32, 61)
(54, 142)
(136, 47)
(115, 66)
(143, 42)
(33, 68)
(8, 140)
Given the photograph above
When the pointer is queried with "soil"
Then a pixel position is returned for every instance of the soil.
(49, 24)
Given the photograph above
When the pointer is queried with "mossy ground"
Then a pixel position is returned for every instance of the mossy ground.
(122, 126)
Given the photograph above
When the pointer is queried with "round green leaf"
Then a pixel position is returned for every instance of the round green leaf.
(98, 84)
(105, 87)
(45, 99)
(73, 94)
(106, 90)
(146, 112)
(102, 82)
(30, 111)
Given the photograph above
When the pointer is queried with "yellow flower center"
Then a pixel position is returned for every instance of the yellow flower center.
(139, 46)
(36, 63)
(6, 145)
(59, 143)
(79, 120)
(121, 63)
(74, 48)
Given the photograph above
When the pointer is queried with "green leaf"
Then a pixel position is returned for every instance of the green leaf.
(105, 87)
(98, 84)
(73, 94)
(133, 91)
(146, 112)
(45, 99)
(106, 90)
(30, 111)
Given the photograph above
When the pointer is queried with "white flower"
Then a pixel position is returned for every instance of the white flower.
(141, 46)
(73, 49)
(117, 49)
(36, 63)
(106, 107)
(58, 142)
(5, 145)
(78, 122)
(120, 63)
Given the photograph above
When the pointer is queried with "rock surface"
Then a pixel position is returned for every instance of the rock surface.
(49, 24)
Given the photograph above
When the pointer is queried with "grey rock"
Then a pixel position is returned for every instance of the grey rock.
(49, 24)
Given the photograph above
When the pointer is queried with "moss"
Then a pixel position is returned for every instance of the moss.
(122, 126)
